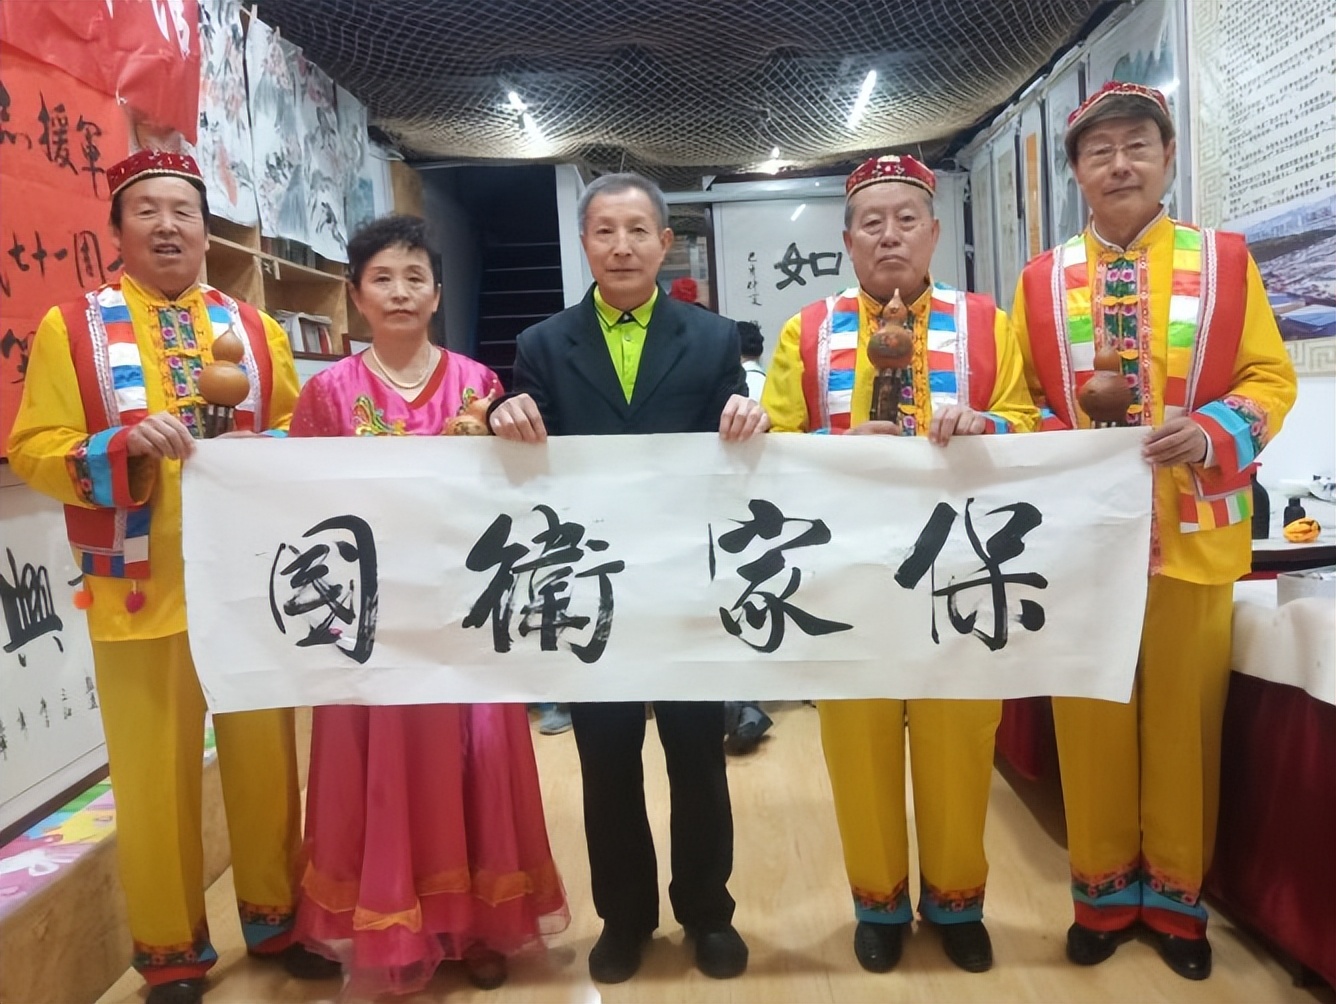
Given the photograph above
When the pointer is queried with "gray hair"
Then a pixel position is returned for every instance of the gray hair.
(615, 184)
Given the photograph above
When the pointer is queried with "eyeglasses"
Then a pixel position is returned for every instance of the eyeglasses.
(1138, 151)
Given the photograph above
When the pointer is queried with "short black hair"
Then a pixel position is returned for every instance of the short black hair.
(196, 185)
(394, 230)
(753, 343)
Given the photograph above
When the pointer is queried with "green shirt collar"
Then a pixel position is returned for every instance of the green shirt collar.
(611, 316)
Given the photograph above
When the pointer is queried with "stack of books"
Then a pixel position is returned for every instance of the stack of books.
(306, 332)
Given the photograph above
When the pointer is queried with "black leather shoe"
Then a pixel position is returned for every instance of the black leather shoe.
(968, 945)
(721, 953)
(1088, 947)
(303, 964)
(615, 957)
(1190, 958)
(486, 968)
(878, 946)
(177, 992)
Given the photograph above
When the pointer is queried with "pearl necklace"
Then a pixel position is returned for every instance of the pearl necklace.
(385, 371)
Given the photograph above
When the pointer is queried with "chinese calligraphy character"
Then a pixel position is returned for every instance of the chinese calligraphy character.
(17, 251)
(4, 743)
(753, 284)
(65, 710)
(1004, 545)
(547, 596)
(10, 343)
(8, 135)
(793, 261)
(90, 691)
(330, 601)
(756, 609)
(91, 131)
(88, 260)
(46, 715)
(56, 134)
(29, 609)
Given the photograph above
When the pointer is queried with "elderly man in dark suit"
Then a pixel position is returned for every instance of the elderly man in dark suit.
(628, 359)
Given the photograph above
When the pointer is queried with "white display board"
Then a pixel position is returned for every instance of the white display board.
(678, 568)
(50, 725)
(1006, 216)
(774, 260)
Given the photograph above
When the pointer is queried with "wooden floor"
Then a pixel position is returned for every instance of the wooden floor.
(794, 911)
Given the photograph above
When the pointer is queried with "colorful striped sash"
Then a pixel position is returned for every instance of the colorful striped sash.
(1206, 309)
(112, 539)
(959, 368)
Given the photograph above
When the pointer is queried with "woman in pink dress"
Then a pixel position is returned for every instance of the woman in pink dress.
(425, 837)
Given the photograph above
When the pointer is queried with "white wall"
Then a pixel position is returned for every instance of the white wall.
(1306, 444)
(575, 275)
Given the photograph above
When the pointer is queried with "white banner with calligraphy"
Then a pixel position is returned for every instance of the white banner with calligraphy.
(459, 569)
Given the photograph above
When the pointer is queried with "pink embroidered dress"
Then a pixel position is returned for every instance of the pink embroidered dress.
(425, 834)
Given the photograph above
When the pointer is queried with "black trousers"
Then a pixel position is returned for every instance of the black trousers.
(622, 866)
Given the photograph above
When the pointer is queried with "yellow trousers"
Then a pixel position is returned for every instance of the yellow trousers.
(951, 755)
(153, 716)
(1141, 780)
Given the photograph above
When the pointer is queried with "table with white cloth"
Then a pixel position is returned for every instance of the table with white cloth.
(1275, 856)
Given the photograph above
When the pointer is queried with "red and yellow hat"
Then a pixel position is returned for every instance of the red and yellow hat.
(1146, 100)
(152, 164)
(891, 167)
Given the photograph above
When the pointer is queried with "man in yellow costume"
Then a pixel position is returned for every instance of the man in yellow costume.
(965, 378)
(111, 409)
(1180, 314)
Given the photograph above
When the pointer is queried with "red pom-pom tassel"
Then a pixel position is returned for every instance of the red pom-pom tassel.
(135, 601)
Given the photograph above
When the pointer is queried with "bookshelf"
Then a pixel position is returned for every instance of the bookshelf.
(241, 264)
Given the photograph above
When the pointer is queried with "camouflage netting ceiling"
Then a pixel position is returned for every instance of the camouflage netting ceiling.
(678, 89)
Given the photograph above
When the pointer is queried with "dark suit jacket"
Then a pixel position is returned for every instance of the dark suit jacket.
(690, 366)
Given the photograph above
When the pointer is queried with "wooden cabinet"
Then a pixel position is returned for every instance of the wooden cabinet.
(238, 264)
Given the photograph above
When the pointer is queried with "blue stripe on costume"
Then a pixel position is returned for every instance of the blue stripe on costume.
(999, 424)
(219, 314)
(127, 376)
(1150, 899)
(115, 314)
(1235, 426)
(902, 913)
(942, 381)
(136, 522)
(841, 380)
(941, 321)
(844, 321)
(99, 467)
(275, 433)
(1129, 895)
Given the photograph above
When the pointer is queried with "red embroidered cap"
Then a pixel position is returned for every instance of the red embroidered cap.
(153, 163)
(1145, 100)
(891, 167)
